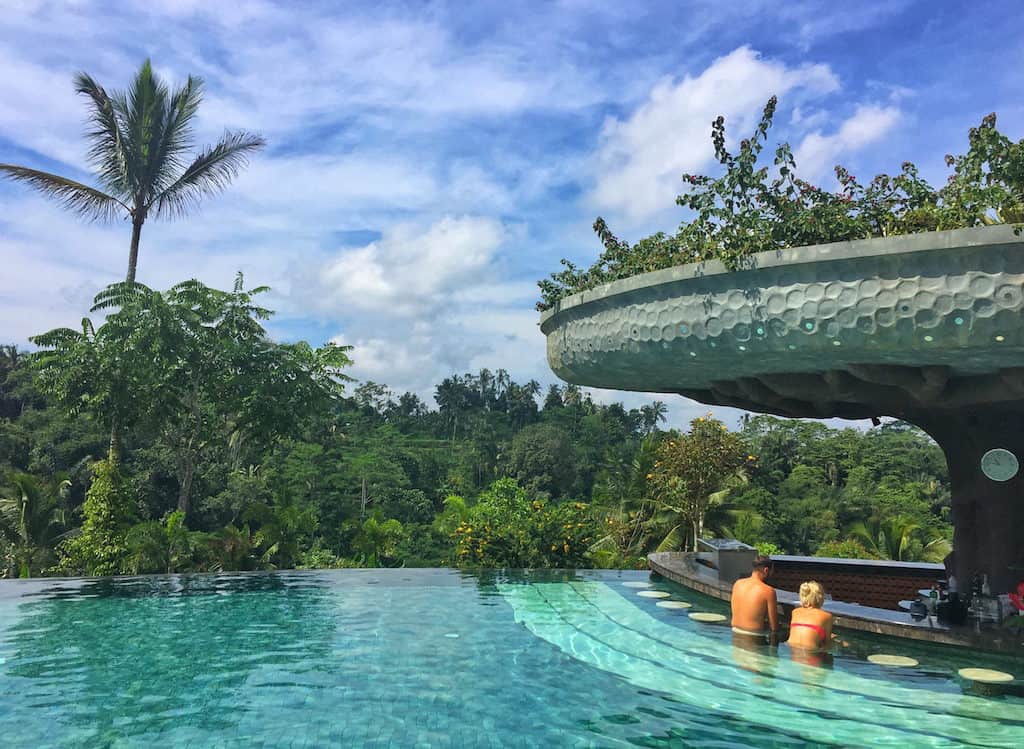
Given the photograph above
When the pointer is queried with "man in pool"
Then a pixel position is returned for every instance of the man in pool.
(753, 601)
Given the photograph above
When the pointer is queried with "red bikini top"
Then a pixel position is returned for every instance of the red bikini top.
(816, 627)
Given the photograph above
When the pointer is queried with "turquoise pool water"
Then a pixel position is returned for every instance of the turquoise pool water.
(417, 658)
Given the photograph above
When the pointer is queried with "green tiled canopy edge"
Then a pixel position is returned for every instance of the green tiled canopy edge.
(823, 330)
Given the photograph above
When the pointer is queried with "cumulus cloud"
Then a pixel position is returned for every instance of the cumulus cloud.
(641, 158)
(817, 153)
(413, 362)
(421, 304)
(409, 271)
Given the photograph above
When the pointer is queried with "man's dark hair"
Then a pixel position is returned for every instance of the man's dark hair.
(762, 562)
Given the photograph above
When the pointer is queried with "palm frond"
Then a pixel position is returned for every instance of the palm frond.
(56, 337)
(144, 110)
(210, 173)
(673, 540)
(108, 152)
(86, 201)
(176, 132)
(121, 294)
(605, 543)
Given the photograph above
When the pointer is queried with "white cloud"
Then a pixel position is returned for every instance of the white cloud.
(409, 271)
(640, 159)
(817, 153)
(816, 21)
(39, 109)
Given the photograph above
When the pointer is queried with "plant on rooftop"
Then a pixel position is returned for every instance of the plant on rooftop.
(751, 208)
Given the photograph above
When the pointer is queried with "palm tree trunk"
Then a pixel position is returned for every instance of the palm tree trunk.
(114, 451)
(185, 488)
(133, 255)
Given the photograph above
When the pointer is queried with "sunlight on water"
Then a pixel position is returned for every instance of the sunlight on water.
(444, 659)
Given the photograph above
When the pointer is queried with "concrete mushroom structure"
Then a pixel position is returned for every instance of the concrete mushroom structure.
(924, 327)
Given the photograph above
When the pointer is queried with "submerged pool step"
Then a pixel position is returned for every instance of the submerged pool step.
(622, 612)
(596, 625)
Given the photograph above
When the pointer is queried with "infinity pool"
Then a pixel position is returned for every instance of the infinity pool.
(438, 658)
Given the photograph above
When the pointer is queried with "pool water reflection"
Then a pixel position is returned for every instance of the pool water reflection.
(444, 659)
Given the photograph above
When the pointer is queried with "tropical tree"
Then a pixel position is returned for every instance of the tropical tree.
(32, 518)
(284, 530)
(100, 547)
(102, 372)
(651, 415)
(505, 528)
(138, 145)
(541, 459)
(233, 548)
(901, 538)
(194, 365)
(156, 546)
(691, 471)
(745, 525)
(622, 490)
(377, 540)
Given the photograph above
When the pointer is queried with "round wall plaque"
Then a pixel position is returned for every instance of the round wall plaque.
(999, 464)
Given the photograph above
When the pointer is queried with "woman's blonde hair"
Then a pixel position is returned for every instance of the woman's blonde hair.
(812, 595)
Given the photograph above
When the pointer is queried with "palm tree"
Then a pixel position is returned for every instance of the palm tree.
(31, 517)
(624, 486)
(651, 415)
(138, 142)
(900, 538)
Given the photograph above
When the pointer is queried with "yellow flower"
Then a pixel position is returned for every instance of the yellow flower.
(650, 475)
(553, 547)
(565, 547)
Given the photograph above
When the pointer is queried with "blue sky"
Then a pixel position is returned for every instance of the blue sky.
(428, 162)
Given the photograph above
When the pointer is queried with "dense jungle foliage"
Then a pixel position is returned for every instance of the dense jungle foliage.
(217, 449)
(750, 209)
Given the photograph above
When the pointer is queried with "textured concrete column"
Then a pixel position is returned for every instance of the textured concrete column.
(988, 516)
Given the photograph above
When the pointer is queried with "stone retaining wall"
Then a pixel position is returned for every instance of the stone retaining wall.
(881, 585)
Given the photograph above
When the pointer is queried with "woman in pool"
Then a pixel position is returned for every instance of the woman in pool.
(810, 628)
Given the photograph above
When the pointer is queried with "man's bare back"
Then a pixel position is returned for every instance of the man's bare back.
(753, 601)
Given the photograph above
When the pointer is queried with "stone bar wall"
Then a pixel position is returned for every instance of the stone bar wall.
(882, 584)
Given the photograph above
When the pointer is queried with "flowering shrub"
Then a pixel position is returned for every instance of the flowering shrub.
(505, 528)
(743, 211)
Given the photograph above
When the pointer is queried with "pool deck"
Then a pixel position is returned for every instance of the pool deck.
(683, 568)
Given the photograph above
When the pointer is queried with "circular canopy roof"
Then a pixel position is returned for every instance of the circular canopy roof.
(851, 329)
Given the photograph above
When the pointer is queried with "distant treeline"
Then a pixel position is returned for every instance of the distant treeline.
(377, 478)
